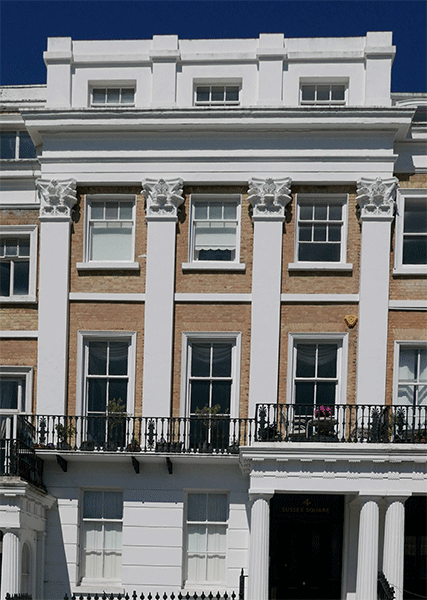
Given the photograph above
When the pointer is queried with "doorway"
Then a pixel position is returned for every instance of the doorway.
(306, 547)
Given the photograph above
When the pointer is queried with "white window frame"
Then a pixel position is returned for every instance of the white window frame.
(187, 492)
(18, 133)
(403, 194)
(210, 83)
(84, 337)
(107, 264)
(25, 373)
(233, 338)
(341, 339)
(111, 86)
(331, 81)
(85, 581)
(216, 265)
(340, 265)
(398, 344)
(30, 232)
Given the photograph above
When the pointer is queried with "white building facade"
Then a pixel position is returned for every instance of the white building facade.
(214, 344)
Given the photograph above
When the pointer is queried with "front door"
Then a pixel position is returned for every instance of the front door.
(305, 547)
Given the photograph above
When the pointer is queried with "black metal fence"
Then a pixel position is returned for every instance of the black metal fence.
(157, 596)
(341, 423)
(19, 597)
(384, 590)
(20, 460)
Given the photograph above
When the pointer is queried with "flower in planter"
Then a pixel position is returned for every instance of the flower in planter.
(323, 411)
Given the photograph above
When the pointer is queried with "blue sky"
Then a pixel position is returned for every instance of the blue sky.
(25, 25)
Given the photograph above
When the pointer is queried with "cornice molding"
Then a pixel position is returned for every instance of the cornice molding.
(269, 197)
(376, 197)
(163, 197)
(57, 198)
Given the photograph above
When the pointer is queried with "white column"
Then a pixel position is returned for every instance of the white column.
(268, 199)
(57, 199)
(40, 554)
(163, 199)
(394, 542)
(376, 201)
(11, 565)
(259, 547)
(367, 554)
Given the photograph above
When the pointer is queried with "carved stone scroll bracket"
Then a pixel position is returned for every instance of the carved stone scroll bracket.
(163, 197)
(376, 197)
(57, 198)
(269, 197)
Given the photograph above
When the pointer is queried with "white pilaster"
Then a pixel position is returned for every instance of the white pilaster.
(11, 564)
(376, 201)
(270, 54)
(268, 199)
(163, 199)
(379, 55)
(58, 59)
(394, 542)
(259, 547)
(367, 554)
(164, 55)
(57, 199)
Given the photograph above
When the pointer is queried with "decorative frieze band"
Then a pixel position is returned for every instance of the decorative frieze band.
(376, 197)
(163, 197)
(57, 198)
(269, 197)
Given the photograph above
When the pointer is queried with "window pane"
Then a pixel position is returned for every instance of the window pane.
(26, 146)
(423, 365)
(92, 506)
(218, 93)
(9, 393)
(199, 395)
(414, 250)
(422, 395)
(221, 392)
(307, 93)
(406, 395)
(11, 247)
(407, 364)
(232, 94)
(305, 233)
(8, 144)
(415, 217)
(215, 211)
(200, 360)
(196, 568)
(97, 392)
(210, 236)
(334, 233)
(201, 210)
(202, 94)
(306, 356)
(97, 358)
(110, 243)
(322, 93)
(118, 393)
(24, 247)
(327, 360)
(113, 506)
(128, 95)
(118, 363)
(320, 212)
(126, 211)
(21, 277)
(305, 212)
(98, 96)
(319, 233)
(4, 278)
(111, 210)
(221, 361)
(304, 393)
(338, 92)
(335, 212)
(216, 568)
(226, 255)
(217, 507)
(216, 538)
(97, 210)
(230, 209)
(113, 96)
(196, 509)
(319, 252)
(325, 394)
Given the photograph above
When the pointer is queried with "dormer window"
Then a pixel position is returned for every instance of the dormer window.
(113, 96)
(217, 95)
(323, 93)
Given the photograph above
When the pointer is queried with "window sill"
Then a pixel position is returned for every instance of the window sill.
(412, 271)
(108, 266)
(18, 300)
(210, 265)
(320, 266)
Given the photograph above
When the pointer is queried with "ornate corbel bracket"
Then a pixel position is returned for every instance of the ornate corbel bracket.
(376, 197)
(163, 197)
(57, 198)
(269, 197)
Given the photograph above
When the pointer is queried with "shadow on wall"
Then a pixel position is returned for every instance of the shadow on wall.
(57, 580)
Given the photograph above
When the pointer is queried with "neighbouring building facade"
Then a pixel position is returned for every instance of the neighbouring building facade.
(213, 350)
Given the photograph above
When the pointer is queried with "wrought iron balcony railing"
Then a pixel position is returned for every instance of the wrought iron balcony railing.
(17, 455)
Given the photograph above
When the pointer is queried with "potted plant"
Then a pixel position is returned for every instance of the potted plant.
(323, 421)
(116, 420)
(133, 446)
(65, 434)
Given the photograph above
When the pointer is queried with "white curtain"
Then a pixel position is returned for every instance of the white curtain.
(111, 241)
(214, 236)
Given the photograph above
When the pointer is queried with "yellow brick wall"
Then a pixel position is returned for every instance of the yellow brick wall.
(215, 281)
(315, 282)
(107, 281)
(407, 287)
(105, 316)
(21, 353)
(212, 318)
(324, 318)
